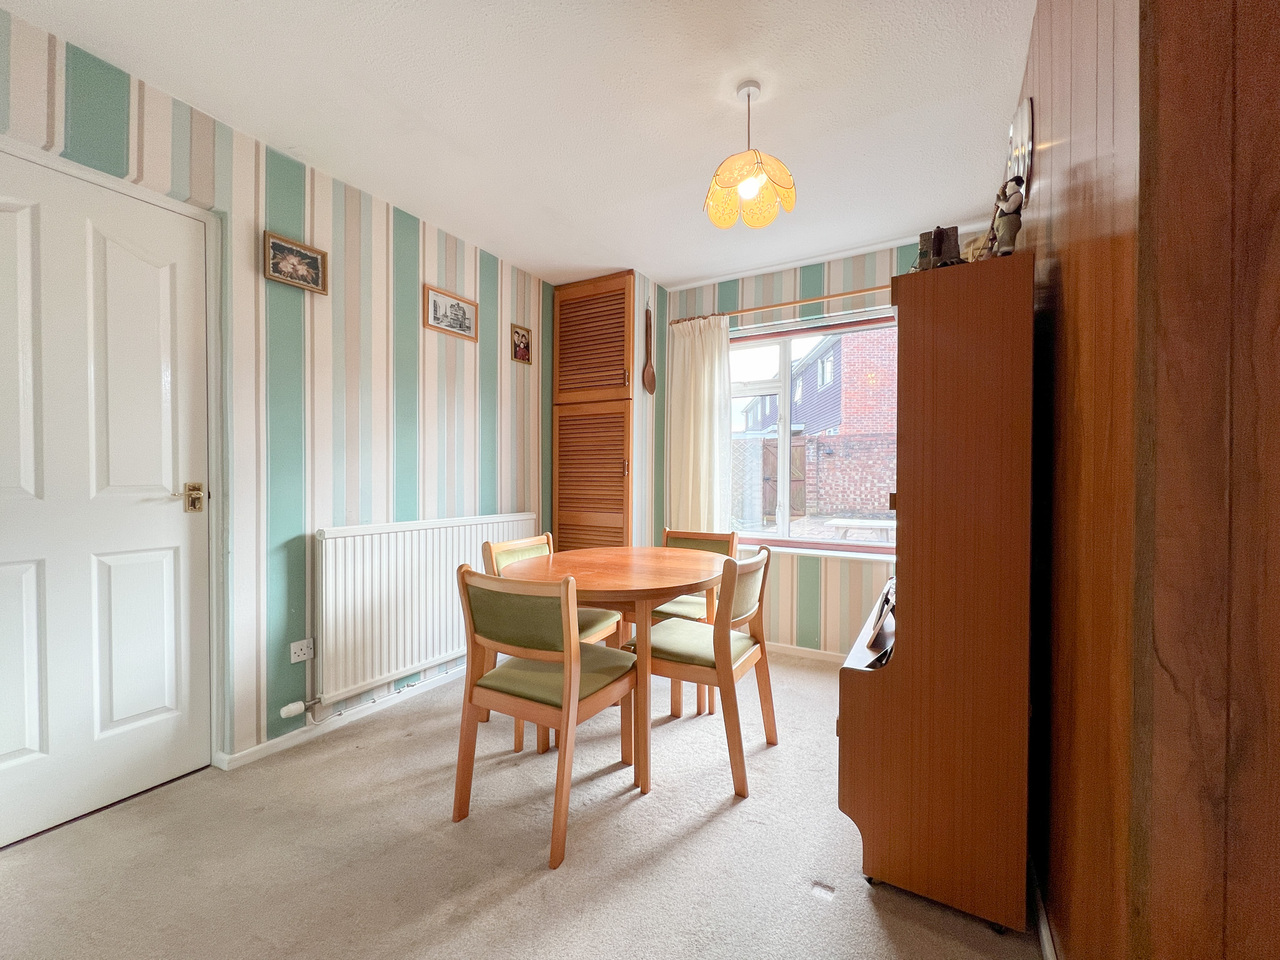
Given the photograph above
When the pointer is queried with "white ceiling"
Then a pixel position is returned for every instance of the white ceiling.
(577, 137)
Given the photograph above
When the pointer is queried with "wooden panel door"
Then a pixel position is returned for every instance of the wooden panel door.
(591, 487)
(593, 339)
(934, 743)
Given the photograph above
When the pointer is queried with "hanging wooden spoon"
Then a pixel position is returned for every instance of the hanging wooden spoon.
(649, 378)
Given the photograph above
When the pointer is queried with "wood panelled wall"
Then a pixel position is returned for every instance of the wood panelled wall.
(1186, 200)
(1210, 297)
(1252, 921)
(1161, 285)
(1082, 71)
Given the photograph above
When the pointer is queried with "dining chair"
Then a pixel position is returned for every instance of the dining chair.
(594, 625)
(719, 654)
(694, 606)
(550, 677)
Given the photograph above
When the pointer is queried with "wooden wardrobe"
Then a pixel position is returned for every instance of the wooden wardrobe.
(934, 741)
(594, 382)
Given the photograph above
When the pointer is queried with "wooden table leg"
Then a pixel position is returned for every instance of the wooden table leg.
(644, 618)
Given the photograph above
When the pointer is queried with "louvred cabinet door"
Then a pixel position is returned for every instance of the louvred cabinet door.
(593, 339)
(592, 475)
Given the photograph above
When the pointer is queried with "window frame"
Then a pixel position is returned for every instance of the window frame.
(866, 319)
(827, 365)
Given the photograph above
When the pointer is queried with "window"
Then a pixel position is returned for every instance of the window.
(755, 460)
(831, 482)
(826, 370)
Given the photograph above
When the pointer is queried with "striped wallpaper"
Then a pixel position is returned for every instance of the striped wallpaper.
(339, 409)
(816, 601)
(820, 602)
(646, 529)
(873, 269)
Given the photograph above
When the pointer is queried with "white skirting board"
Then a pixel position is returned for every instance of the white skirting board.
(804, 653)
(230, 761)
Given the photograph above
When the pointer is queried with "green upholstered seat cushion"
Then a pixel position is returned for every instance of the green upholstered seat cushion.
(544, 682)
(591, 620)
(501, 559)
(692, 606)
(686, 641)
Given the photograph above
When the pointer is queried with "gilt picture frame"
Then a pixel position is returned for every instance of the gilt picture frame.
(521, 344)
(298, 265)
(449, 313)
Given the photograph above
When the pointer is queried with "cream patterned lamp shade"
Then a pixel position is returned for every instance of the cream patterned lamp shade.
(751, 185)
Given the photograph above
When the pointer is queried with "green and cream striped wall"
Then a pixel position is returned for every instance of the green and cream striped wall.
(820, 602)
(339, 409)
(815, 601)
(648, 453)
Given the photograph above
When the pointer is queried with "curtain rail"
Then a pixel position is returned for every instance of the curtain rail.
(828, 325)
(791, 303)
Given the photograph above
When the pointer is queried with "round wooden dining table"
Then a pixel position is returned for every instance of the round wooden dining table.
(631, 580)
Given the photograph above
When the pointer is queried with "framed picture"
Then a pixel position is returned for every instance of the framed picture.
(447, 312)
(294, 263)
(521, 344)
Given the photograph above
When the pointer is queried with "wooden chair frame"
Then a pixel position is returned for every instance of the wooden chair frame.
(706, 696)
(481, 651)
(611, 636)
(725, 674)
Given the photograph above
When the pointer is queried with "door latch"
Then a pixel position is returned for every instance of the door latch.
(192, 497)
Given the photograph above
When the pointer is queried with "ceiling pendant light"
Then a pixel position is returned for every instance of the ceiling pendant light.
(751, 184)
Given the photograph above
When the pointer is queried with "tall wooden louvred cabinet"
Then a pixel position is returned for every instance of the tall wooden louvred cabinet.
(593, 386)
(934, 735)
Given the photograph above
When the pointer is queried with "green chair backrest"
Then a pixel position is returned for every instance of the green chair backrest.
(536, 623)
(516, 554)
(698, 543)
(750, 585)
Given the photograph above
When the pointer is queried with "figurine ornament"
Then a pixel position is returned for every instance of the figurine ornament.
(1006, 220)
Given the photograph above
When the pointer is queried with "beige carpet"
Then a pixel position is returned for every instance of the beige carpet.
(343, 848)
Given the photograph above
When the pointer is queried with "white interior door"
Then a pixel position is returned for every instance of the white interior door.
(104, 597)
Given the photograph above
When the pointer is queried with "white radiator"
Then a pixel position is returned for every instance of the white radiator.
(387, 597)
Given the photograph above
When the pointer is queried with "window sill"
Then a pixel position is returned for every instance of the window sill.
(824, 548)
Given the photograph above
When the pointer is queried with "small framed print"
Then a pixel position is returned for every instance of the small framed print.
(521, 344)
(448, 312)
(294, 263)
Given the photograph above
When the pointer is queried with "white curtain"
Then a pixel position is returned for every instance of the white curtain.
(698, 448)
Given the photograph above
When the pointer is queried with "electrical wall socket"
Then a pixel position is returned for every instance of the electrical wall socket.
(302, 650)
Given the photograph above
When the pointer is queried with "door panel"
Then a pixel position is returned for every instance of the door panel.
(132, 306)
(135, 636)
(19, 378)
(593, 339)
(591, 475)
(21, 654)
(104, 636)
(799, 451)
